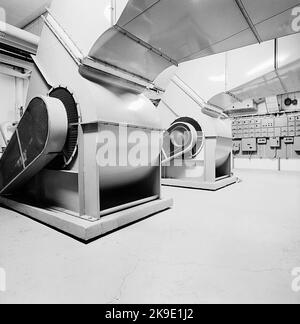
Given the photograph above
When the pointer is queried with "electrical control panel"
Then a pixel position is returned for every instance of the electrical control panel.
(267, 136)
(249, 145)
(275, 142)
(236, 147)
(282, 121)
(290, 101)
(297, 144)
(261, 141)
(268, 122)
(288, 140)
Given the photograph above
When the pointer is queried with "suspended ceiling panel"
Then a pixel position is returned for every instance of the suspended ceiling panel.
(21, 12)
(177, 31)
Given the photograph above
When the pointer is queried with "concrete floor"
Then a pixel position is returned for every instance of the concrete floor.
(238, 245)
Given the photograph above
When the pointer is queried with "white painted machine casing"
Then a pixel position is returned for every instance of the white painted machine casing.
(96, 101)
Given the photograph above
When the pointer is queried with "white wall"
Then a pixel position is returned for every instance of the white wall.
(7, 94)
(213, 75)
(36, 26)
(8, 100)
(256, 164)
(12, 97)
(267, 164)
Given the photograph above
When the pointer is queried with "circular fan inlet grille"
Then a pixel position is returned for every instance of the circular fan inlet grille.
(70, 149)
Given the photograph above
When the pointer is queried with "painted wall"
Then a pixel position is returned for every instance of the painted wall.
(267, 164)
(8, 101)
(36, 26)
(13, 94)
(216, 74)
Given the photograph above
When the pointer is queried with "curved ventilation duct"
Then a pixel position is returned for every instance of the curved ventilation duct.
(39, 137)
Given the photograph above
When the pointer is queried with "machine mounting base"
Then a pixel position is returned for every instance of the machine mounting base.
(86, 230)
(194, 184)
